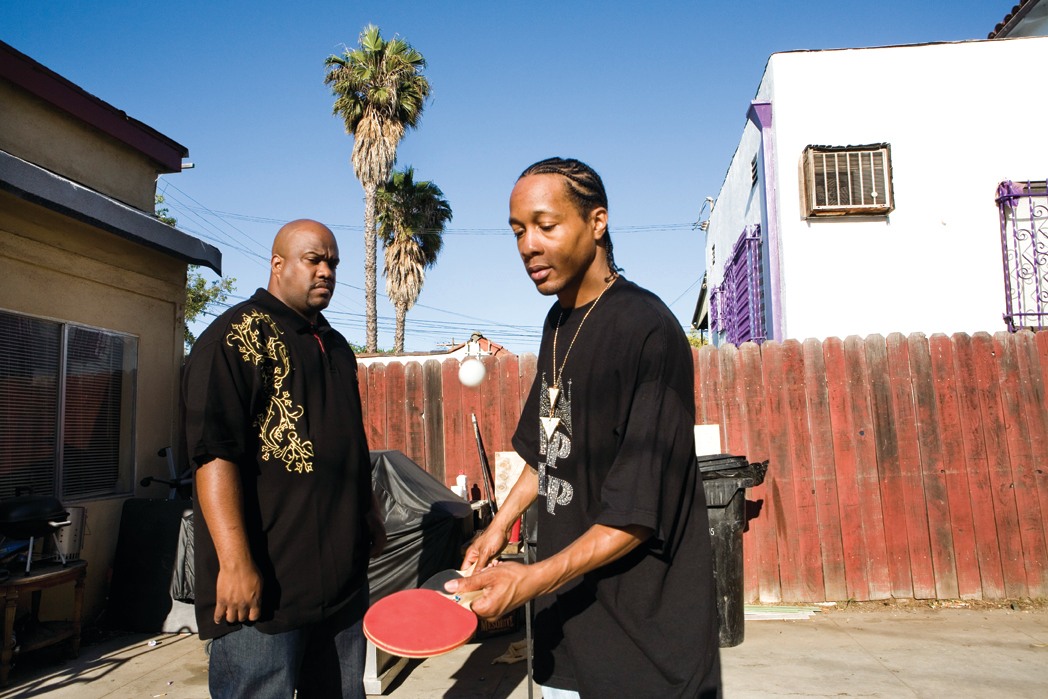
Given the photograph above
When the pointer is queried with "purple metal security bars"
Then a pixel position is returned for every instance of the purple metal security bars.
(737, 305)
(1023, 209)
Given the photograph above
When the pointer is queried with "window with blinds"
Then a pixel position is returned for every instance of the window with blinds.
(848, 180)
(66, 408)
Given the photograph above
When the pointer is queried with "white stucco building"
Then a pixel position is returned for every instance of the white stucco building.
(863, 195)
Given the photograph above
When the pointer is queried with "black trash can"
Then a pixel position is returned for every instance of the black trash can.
(724, 479)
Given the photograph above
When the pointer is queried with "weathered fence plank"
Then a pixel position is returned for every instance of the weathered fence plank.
(779, 516)
(749, 416)
(433, 416)
(1032, 397)
(396, 418)
(955, 470)
(854, 538)
(1004, 504)
(987, 550)
(876, 568)
(935, 500)
(415, 428)
(824, 472)
(1031, 527)
(377, 400)
(889, 467)
(809, 554)
(910, 486)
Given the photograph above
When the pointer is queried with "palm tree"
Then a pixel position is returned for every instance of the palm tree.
(379, 92)
(411, 219)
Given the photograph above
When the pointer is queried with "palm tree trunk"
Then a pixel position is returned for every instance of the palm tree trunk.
(398, 337)
(370, 264)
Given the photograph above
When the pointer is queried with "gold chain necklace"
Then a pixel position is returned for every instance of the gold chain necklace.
(554, 390)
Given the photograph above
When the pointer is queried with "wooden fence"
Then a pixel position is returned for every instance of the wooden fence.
(899, 467)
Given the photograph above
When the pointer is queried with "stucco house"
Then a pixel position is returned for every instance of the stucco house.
(92, 294)
(879, 190)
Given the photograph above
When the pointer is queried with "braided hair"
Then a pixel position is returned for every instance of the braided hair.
(586, 191)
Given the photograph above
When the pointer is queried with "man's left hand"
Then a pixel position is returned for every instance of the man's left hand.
(506, 586)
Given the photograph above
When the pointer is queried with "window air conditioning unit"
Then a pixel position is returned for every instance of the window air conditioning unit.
(848, 180)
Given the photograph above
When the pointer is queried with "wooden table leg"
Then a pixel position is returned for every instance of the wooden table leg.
(78, 611)
(10, 611)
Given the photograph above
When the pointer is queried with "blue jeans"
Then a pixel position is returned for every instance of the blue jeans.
(321, 660)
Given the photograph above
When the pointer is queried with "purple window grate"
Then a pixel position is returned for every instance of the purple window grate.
(1023, 208)
(737, 305)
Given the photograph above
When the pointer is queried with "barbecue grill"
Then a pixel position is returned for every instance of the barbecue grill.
(31, 516)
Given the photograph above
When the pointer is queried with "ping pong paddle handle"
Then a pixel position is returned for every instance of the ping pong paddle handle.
(464, 598)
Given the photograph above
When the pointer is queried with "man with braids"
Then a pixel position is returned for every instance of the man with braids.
(286, 518)
(624, 582)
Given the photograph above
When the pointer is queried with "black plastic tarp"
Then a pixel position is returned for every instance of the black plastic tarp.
(426, 524)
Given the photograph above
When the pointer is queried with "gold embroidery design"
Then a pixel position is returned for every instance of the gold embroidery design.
(257, 338)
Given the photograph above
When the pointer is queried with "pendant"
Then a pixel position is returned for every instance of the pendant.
(549, 425)
(554, 392)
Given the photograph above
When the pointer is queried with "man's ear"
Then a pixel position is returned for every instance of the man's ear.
(599, 222)
(276, 263)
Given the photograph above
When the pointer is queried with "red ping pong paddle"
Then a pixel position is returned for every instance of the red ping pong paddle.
(424, 622)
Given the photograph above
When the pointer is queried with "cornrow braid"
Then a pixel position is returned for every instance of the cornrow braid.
(585, 189)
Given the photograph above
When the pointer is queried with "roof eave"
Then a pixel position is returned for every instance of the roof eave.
(43, 187)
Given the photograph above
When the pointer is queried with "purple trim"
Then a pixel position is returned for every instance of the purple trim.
(760, 114)
(715, 309)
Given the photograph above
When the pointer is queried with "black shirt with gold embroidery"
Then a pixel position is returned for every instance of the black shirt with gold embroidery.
(278, 396)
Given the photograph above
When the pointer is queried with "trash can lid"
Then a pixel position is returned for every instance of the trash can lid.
(743, 474)
(720, 462)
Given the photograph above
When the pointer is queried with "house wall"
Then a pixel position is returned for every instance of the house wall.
(37, 132)
(934, 263)
(739, 205)
(54, 267)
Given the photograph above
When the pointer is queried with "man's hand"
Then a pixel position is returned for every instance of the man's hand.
(238, 590)
(484, 549)
(239, 595)
(506, 586)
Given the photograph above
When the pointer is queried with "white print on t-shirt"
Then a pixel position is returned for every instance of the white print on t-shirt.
(556, 446)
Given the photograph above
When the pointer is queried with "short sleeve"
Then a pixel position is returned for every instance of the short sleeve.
(655, 459)
(217, 390)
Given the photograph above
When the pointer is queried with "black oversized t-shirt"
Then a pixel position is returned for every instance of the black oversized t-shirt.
(616, 448)
(278, 396)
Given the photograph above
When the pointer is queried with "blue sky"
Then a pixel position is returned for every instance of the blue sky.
(653, 95)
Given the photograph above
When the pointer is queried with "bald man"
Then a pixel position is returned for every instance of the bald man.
(285, 516)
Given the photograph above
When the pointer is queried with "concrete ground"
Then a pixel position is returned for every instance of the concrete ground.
(868, 650)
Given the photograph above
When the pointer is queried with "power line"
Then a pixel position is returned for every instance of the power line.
(446, 231)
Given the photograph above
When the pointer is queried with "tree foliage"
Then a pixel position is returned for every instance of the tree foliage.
(697, 339)
(411, 220)
(379, 92)
(201, 296)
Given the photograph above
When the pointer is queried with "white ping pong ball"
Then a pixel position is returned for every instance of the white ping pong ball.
(471, 372)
